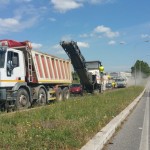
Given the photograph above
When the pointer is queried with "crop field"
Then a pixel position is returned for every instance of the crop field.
(64, 125)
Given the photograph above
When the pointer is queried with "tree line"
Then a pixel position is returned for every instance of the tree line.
(140, 68)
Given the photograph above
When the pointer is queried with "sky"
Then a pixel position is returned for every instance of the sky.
(115, 32)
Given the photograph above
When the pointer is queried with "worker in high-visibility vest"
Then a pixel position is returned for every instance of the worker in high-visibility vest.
(109, 77)
(101, 68)
(113, 84)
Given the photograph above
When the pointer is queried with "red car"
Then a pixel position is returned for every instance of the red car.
(76, 89)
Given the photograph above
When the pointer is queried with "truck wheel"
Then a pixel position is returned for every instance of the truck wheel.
(66, 93)
(42, 99)
(59, 94)
(22, 101)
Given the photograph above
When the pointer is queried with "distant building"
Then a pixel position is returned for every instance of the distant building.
(120, 74)
(114, 74)
(125, 74)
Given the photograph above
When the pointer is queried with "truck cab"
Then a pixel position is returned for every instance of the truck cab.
(12, 68)
(93, 68)
(12, 71)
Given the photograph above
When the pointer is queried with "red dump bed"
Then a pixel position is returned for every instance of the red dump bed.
(12, 43)
(51, 69)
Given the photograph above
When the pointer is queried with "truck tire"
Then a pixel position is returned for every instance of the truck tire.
(42, 98)
(22, 100)
(59, 94)
(66, 93)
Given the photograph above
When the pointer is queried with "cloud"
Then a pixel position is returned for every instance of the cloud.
(57, 46)
(66, 38)
(8, 25)
(84, 35)
(144, 36)
(122, 42)
(65, 5)
(83, 44)
(61, 52)
(101, 1)
(52, 19)
(43, 8)
(106, 31)
(8, 22)
(4, 2)
(20, 1)
(111, 42)
(99, 32)
(24, 17)
(58, 49)
(27, 11)
(36, 45)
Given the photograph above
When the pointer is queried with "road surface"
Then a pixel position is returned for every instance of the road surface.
(134, 134)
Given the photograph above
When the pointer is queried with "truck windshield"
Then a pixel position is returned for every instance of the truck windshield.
(2, 58)
(120, 80)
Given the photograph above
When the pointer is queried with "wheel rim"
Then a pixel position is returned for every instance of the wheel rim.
(60, 97)
(67, 94)
(23, 100)
(42, 97)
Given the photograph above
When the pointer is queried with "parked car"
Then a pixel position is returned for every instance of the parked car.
(120, 83)
(76, 88)
(108, 85)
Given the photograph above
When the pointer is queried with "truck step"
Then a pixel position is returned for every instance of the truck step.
(52, 98)
(52, 92)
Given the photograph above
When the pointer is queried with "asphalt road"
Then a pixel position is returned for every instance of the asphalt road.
(134, 134)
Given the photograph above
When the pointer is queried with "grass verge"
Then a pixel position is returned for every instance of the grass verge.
(65, 125)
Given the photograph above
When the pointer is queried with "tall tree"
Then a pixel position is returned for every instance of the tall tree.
(140, 68)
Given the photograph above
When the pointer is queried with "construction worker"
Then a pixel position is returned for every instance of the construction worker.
(101, 68)
(105, 81)
(113, 84)
(109, 77)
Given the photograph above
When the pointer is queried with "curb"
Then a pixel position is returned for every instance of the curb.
(101, 138)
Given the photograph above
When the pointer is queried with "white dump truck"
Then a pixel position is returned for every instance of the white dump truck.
(30, 77)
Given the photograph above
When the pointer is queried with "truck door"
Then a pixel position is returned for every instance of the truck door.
(14, 68)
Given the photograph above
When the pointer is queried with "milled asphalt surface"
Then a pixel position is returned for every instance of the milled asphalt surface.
(130, 135)
(102, 137)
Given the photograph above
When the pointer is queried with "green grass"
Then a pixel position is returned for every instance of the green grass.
(64, 125)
